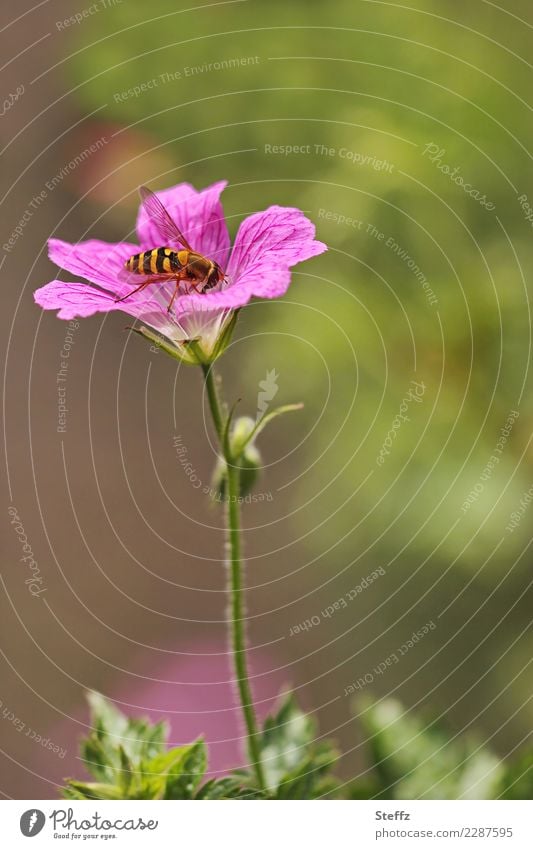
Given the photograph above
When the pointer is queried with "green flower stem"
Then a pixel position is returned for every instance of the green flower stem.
(214, 402)
(235, 583)
(238, 636)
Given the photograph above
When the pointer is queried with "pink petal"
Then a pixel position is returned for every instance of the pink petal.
(199, 216)
(267, 245)
(99, 262)
(78, 300)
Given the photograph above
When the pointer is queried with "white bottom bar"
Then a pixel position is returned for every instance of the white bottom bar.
(260, 825)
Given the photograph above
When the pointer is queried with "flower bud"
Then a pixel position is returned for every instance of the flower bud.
(240, 434)
(250, 463)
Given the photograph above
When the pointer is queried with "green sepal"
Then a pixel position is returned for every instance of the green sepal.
(225, 336)
(183, 351)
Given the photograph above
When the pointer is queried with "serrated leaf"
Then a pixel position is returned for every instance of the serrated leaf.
(110, 720)
(414, 759)
(125, 773)
(227, 788)
(69, 792)
(185, 776)
(94, 790)
(309, 780)
(283, 742)
(97, 758)
(156, 738)
(139, 738)
(295, 766)
(155, 772)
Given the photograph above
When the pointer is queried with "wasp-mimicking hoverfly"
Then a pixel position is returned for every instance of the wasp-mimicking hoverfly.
(188, 269)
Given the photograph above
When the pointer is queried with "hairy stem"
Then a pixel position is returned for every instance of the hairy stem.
(235, 565)
(214, 402)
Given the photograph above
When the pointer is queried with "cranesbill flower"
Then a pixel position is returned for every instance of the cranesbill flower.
(267, 245)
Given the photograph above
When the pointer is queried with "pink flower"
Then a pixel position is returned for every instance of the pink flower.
(267, 245)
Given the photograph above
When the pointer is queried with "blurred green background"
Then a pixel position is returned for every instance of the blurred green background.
(362, 88)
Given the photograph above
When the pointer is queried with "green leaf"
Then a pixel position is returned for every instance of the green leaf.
(125, 773)
(310, 779)
(295, 766)
(284, 740)
(68, 792)
(227, 788)
(414, 759)
(97, 758)
(517, 780)
(176, 773)
(184, 777)
(116, 750)
(109, 718)
(115, 740)
(363, 788)
(93, 791)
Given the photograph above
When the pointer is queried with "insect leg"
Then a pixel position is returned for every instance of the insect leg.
(180, 276)
(174, 293)
(138, 289)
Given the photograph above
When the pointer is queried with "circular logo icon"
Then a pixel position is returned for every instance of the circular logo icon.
(32, 822)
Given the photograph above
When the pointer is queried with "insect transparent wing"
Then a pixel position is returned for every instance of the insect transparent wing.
(157, 212)
(133, 278)
(139, 282)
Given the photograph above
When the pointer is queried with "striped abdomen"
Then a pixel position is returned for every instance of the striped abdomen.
(157, 261)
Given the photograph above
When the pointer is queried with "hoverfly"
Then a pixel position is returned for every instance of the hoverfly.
(165, 264)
